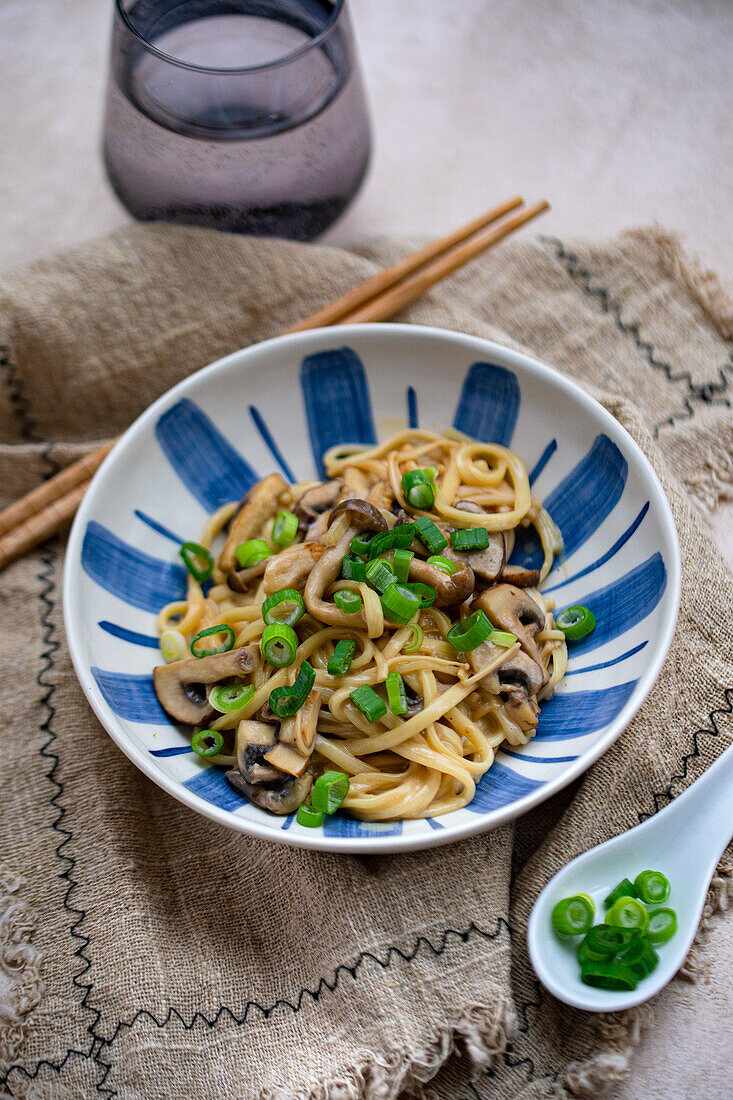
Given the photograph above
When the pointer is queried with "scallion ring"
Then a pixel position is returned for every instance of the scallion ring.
(379, 574)
(353, 568)
(430, 535)
(608, 975)
(198, 560)
(286, 606)
(576, 622)
(445, 565)
(573, 916)
(339, 662)
(279, 644)
(662, 925)
(309, 817)
(652, 887)
(401, 563)
(427, 595)
(252, 552)
(400, 604)
(473, 538)
(286, 701)
(213, 632)
(417, 488)
(173, 646)
(207, 743)
(399, 538)
(416, 640)
(503, 638)
(329, 791)
(470, 632)
(628, 913)
(347, 601)
(396, 694)
(284, 529)
(368, 702)
(227, 698)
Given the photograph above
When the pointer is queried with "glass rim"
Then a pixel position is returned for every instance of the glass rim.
(286, 58)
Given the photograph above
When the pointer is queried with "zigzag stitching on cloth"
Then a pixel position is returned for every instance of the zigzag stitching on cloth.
(19, 403)
(705, 393)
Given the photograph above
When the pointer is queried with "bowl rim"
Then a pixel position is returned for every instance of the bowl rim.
(375, 844)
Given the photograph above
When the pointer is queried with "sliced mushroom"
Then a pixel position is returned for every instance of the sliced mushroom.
(287, 759)
(238, 579)
(415, 702)
(261, 503)
(312, 506)
(362, 515)
(323, 574)
(300, 730)
(290, 568)
(512, 609)
(518, 679)
(487, 563)
(520, 577)
(282, 799)
(254, 740)
(181, 686)
(452, 589)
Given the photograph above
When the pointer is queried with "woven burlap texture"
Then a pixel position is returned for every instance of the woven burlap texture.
(150, 954)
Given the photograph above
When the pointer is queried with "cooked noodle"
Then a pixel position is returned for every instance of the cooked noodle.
(427, 762)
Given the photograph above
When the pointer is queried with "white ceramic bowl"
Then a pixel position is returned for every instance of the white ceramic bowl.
(277, 406)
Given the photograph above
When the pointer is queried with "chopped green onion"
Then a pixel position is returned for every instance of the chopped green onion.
(473, 538)
(640, 957)
(628, 913)
(401, 564)
(573, 916)
(329, 791)
(284, 529)
(287, 701)
(470, 632)
(602, 942)
(286, 606)
(213, 631)
(431, 472)
(418, 490)
(427, 595)
(226, 698)
(575, 622)
(173, 646)
(198, 560)
(396, 694)
(503, 638)
(445, 565)
(207, 742)
(368, 702)
(343, 654)
(625, 889)
(279, 644)
(251, 552)
(430, 535)
(399, 603)
(379, 574)
(309, 817)
(608, 975)
(397, 539)
(652, 887)
(347, 601)
(353, 568)
(416, 641)
(360, 544)
(662, 925)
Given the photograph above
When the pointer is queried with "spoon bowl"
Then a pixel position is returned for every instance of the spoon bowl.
(684, 841)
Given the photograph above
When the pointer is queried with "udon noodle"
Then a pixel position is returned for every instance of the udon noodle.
(461, 706)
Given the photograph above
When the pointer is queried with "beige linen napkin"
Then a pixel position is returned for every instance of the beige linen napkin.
(149, 954)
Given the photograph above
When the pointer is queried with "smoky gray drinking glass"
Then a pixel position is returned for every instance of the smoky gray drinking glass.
(244, 115)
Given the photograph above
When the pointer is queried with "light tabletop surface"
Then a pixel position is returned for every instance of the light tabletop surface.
(618, 113)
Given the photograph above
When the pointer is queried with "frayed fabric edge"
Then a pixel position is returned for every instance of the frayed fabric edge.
(483, 1031)
(21, 984)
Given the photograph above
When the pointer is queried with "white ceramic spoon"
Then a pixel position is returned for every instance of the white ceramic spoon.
(684, 841)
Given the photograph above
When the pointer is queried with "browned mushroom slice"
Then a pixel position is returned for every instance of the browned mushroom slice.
(362, 516)
(487, 563)
(518, 679)
(261, 503)
(513, 610)
(181, 686)
(282, 799)
(287, 759)
(520, 577)
(239, 579)
(313, 505)
(253, 741)
(291, 568)
(451, 590)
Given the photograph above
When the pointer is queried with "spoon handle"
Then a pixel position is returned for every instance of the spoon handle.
(706, 808)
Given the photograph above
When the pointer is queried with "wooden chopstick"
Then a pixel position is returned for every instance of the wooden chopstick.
(47, 508)
(336, 312)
